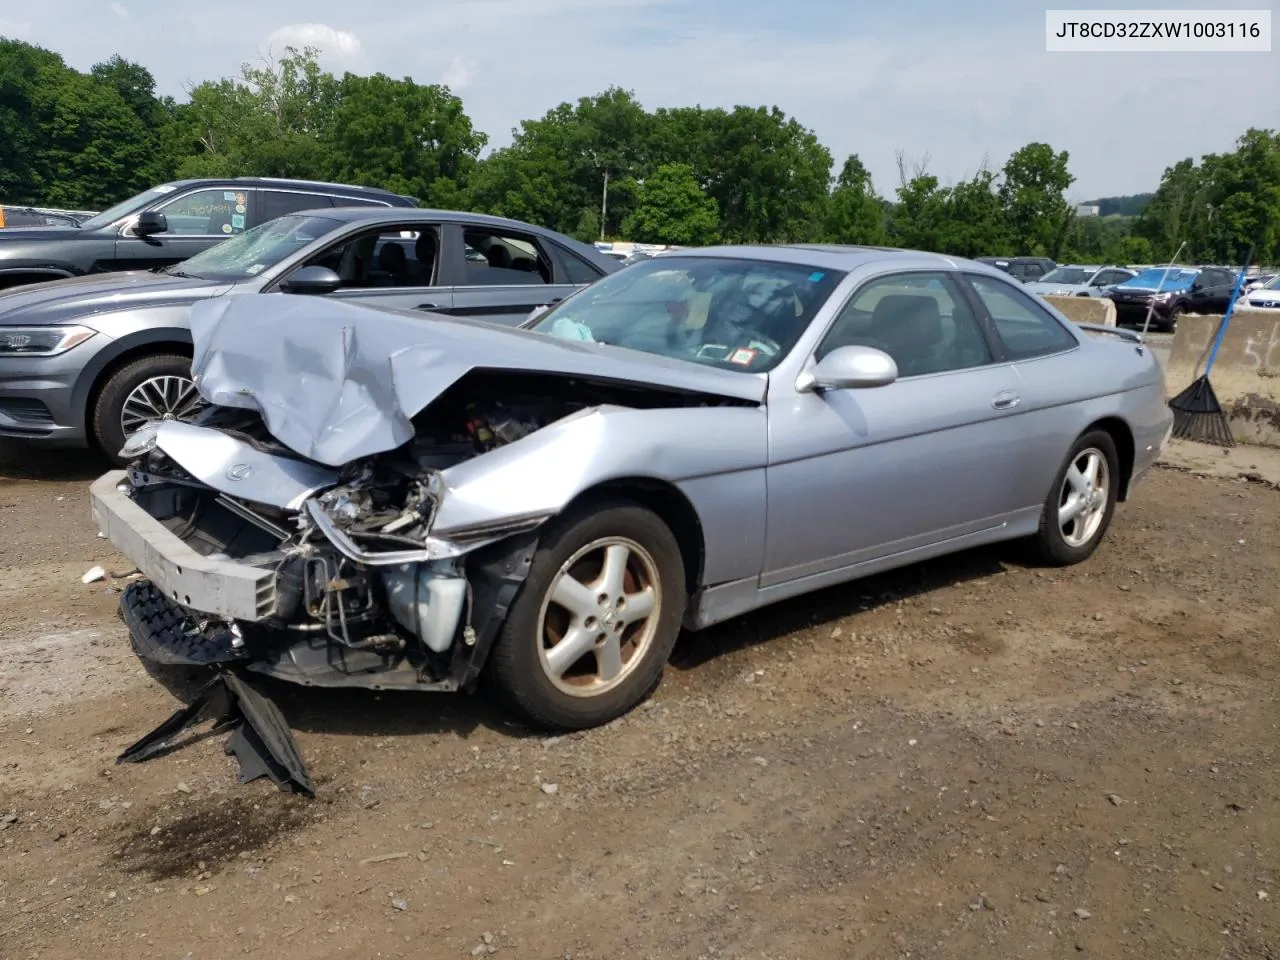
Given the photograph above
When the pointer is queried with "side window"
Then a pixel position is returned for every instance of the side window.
(277, 203)
(576, 269)
(390, 256)
(358, 202)
(1111, 277)
(1025, 328)
(917, 319)
(206, 213)
(503, 259)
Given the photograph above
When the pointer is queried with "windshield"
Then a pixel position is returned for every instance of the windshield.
(1273, 283)
(126, 207)
(258, 248)
(1153, 278)
(735, 314)
(1070, 275)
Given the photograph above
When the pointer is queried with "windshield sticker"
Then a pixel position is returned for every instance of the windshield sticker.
(742, 357)
(239, 208)
(240, 197)
(226, 228)
(237, 221)
(816, 276)
(229, 195)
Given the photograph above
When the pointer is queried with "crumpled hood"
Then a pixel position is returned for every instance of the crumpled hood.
(75, 298)
(336, 382)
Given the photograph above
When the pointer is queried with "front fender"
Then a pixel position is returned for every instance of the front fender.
(715, 456)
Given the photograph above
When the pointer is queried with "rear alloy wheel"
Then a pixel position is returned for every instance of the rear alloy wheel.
(1175, 314)
(151, 388)
(1078, 511)
(592, 628)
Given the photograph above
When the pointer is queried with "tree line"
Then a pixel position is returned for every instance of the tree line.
(603, 167)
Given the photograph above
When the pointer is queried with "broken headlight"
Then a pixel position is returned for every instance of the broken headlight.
(141, 442)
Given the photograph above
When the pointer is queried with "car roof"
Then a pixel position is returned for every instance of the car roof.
(831, 255)
(354, 189)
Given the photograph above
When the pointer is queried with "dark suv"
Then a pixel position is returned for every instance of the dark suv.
(1169, 292)
(1026, 269)
(167, 224)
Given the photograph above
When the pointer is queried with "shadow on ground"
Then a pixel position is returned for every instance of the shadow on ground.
(364, 713)
(835, 603)
(19, 461)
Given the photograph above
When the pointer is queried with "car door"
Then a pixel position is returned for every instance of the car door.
(391, 264)
(1223, 285)
(500, 274)
(196, 221)
(1044, 357)
(855, 475)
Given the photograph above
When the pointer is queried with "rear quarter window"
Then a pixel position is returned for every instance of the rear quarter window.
(1025, 328)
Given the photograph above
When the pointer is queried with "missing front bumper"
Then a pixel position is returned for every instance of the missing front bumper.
(221, 588)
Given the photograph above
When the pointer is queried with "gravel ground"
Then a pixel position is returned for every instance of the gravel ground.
(969, 758)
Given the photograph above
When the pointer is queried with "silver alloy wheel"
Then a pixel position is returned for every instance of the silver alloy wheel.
(1082, 501)
(599, 617)
(159, 398)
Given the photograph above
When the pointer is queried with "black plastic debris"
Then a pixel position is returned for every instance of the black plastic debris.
(261, 741)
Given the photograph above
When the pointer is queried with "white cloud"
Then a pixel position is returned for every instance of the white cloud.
(119, 9)
(458, 74)
(15, 29)
(340, 50)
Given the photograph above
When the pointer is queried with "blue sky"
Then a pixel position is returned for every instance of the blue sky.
(932, 79)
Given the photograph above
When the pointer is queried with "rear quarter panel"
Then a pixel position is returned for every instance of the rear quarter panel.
(1065, 393)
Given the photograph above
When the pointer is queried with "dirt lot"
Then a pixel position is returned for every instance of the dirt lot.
(967, 759)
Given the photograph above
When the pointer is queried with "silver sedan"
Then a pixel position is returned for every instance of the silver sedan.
(373, 500)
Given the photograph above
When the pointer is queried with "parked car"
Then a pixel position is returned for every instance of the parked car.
(1175, 291)
(1259, 281)
(89, 359)
(1025, 269)
(169, 223)
(1076, 280)
(376, 502)
(1266, 297)
(12, 217)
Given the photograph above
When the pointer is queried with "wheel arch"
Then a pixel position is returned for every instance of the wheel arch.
(123, 352)
(670, 504)
(1122, 436)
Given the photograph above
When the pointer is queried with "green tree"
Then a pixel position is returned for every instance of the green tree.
(854, 213)
(412, 139)
(1032, 192)
(268, 122)
(671, 208)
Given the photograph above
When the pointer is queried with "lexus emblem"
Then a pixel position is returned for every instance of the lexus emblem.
(238, 471)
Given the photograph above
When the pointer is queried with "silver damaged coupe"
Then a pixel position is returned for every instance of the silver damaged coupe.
(393, 500)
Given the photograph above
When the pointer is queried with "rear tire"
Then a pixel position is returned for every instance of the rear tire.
(1175, 314)
(1079, 507)
(590, 632)
(166, 372)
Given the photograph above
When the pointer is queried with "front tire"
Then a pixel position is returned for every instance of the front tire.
(1080, 505)
(595, 621)
(1175, 314)
(149, 388)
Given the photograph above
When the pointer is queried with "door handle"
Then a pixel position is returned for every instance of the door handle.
(1005, 400)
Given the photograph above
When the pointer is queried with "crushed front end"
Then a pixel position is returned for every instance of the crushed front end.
(259, 562)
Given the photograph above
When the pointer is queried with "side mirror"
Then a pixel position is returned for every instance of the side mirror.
(311, 280)
(847, 368)
(150, 222)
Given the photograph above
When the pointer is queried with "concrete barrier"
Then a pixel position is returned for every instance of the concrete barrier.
(1097, 310)
(1245, 375)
